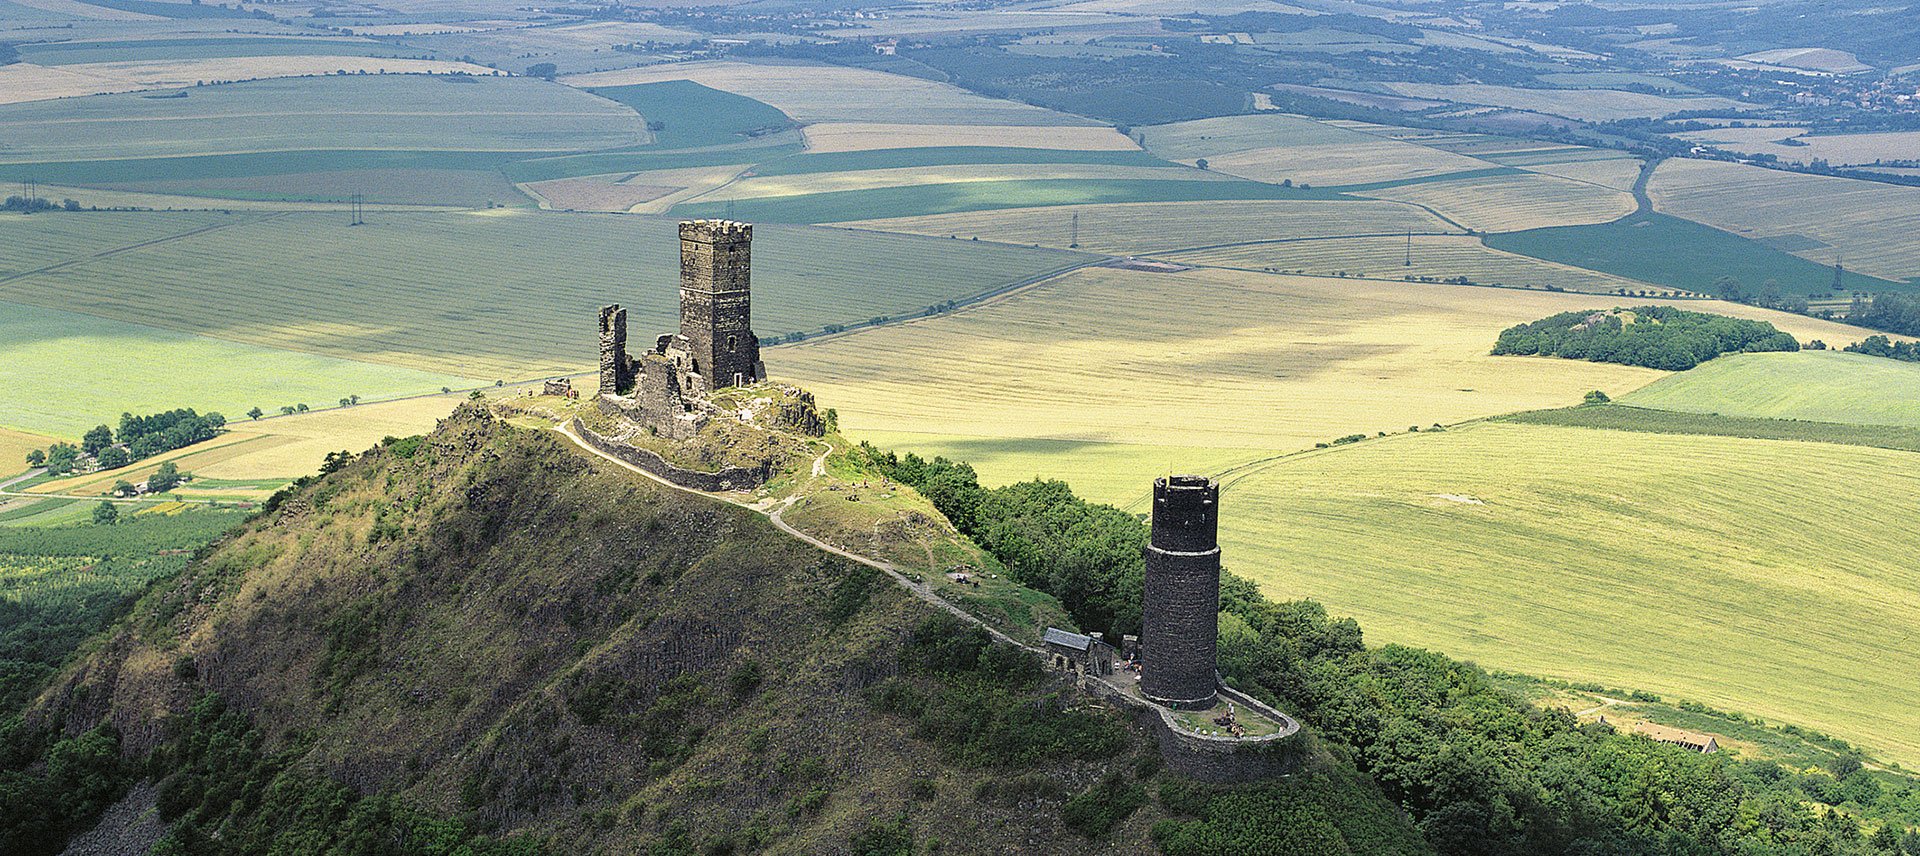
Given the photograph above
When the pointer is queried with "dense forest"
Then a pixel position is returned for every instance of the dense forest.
(1894, 313)
(1481, 771)
(1656, 337)
(1881, 346)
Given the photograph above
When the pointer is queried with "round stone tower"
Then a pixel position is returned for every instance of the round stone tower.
(1180, 609)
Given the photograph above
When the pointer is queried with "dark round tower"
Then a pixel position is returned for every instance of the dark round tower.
(1180, 609)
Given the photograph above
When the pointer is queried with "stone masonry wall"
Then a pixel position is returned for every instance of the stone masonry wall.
(731, 478)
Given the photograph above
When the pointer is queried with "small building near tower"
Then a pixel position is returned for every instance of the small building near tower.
(1068, 651)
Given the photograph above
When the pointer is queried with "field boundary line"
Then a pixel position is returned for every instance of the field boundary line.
(66, 263)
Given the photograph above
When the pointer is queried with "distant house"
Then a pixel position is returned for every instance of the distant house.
(1702, 743)
(1073, 652)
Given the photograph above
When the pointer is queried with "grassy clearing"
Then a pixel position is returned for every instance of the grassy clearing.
(820, 93)
(395, 112)
(1620, 417)
(1106, 356)
(68, 372)
(1433, 256)
(1669, 251)
(985, 195)
(502, 295)
(1675, 564)
(1824, 386)
(1167, 226)
(695, 115)
(1872, 227)
(1510, 203)
(869, 136)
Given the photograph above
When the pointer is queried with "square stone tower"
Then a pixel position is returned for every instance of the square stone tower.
(716, 317)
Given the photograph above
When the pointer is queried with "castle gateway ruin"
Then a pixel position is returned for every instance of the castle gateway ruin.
(665, 388)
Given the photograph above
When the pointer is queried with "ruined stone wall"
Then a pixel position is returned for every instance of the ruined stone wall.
(662, 404)
(1220, 760)
(731, 478)
(1181, 599)
(616, 368)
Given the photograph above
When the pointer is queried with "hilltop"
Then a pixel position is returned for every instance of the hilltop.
(488, 637)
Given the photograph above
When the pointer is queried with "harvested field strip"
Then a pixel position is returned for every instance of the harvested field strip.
(760, 187)
(812, 162)
(1827, 386)
(1620, 417)
(475, 295)
(66, 53)
(1510, 203)
(1874, 228)
(1686, 569)
(1676, 253)
(1433, 257)
(985, 195)
(576, 166)
(1157, 227)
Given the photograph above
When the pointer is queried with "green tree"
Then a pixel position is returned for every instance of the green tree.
(164, 479)
(256, 413)
(36, 458)
(1597, 397)
(95, 440)
(113, 458)
(106, 514)
(288, 410)
(1201, 163)
(301, 408)
(123, 488)
(543, 70)
(61, 458)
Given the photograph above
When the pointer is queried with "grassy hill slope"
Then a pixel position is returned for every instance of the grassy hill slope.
(489, 638)
(1825, 386)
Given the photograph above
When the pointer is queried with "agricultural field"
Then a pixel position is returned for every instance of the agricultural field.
(819, 93)
(1676, 253)
(695, 116)
(208, 46)
(1836, 149)
(1823, 386)
(470, 295)
(1105, 358)
(24, 82)
(1612, 173)
(1431, 256)
(1627, 417)
(1472, 535)
(954, 197)
(867, 136)
(1873, 228)
(397, 112)
(1512, 203)
(798, 184)
(1274, 148)
(1597, 105)
(67, 372)
(14, 446)
(1162, 227)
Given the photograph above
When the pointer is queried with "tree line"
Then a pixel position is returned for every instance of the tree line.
(1479, 769)
(1656, 337)
(138, 438)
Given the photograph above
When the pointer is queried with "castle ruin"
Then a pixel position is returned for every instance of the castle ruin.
(665, 389)
(1181, 602)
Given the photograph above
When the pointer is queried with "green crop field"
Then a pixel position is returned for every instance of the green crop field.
(693, 115)
(395, 112)
(1159, 227)
(923, 200)
(67, 372)
(1677, 253)
(1396, 257)
(381, 177)
(1622, 417)
(1682, 565)
(1870, 226)
(1824, 386)
(504, 294)
(133, 50)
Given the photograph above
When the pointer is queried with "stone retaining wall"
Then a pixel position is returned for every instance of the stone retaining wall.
(1205, 758)
(731, 478)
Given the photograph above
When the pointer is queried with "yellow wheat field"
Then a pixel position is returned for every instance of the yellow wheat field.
(865, 136)
(1613, 173)
(1436, 256)
(1511, 203)
(821, 93)
(1874, 228)
(27, 82)
(1599, 105)
(1135, 228)
(1279, 147)
(14, 446)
